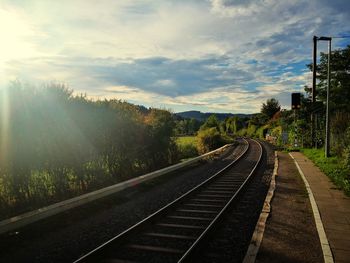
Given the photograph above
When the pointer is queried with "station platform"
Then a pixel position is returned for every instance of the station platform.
(333, 206)
(304, 225)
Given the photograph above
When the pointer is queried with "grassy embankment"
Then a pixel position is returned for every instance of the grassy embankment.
(187, 146)
(333, 167)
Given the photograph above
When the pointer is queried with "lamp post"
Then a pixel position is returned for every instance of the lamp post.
(313, 93)
(329, 39)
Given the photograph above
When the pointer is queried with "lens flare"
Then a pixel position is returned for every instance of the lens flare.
(4, 125)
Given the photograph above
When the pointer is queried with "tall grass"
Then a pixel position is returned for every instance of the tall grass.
(187, 146)
(333, 167)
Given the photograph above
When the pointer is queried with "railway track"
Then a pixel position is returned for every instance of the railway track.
(174, 232)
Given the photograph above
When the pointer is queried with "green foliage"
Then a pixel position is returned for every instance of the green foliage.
(251, 130)
(339, 124)
(261, 131)
(211, 122)
(270, 107)
(185, 140)
(339, 100)
(346, 149)
(187, 146)
(340, 79)
(242, 132)
(208, 140)
(259, 119)
(332, 167)
(214, 134)
(233, 125)
(187, 126)
(54, 145)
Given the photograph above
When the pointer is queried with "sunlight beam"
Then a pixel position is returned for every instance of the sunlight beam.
(4, 128)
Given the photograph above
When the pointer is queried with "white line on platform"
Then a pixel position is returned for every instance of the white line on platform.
(327, 253)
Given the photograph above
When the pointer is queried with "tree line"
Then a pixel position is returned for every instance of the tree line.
(55, 145)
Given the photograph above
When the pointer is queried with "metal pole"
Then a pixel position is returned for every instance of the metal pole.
(314, 67)
(313, 91)
(295, 130)
(327, 103)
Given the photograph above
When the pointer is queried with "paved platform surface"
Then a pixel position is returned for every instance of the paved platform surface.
(290, 233)
(334, 208)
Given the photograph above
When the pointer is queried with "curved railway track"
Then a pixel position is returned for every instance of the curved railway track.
(174, 232)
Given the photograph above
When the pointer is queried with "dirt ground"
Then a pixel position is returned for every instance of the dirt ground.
(290, 233)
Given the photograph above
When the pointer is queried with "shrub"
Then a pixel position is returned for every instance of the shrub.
(242, 132)
(187, 147)
(339, 124)
(251, 130)
(346, 151)
(208, 139)
(187, 151)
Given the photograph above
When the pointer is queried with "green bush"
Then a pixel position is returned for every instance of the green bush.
(187, 151)
(242, 132)
(346, 151)
(251, 130)
(261, 131)
(187, 147)
(208, 140)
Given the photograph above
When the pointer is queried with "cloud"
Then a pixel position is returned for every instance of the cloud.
(220, 55)
(233, 8)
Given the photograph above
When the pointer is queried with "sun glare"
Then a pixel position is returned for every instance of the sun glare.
(16, 36)
(4, 125)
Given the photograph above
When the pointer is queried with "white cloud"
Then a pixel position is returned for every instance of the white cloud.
(165, 82)
(183, 54)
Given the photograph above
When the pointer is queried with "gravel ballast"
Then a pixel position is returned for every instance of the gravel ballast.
(229, 242)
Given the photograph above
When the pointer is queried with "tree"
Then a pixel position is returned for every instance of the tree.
(339, 96)
(340, 79)
(211, 122)
(58, 145)
(160, 124)
(270, 107)
(193, 126)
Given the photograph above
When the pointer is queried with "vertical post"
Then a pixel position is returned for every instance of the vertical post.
(314, 68)
(327, 103)
(295, 130)
(313, 91)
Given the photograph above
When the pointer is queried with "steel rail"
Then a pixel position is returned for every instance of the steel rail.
(215, 220)
(168, 207)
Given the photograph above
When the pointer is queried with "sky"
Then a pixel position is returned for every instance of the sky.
(210, 55)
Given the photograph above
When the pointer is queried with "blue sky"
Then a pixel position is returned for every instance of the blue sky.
(217, 56)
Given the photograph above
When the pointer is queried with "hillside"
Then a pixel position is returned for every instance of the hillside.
(203, 116)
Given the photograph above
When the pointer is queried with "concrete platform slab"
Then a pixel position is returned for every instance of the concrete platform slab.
(333, 206)
(290, 234)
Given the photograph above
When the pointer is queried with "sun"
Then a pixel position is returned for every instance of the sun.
(17, 36)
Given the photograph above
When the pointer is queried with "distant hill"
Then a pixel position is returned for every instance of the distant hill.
(203, 116)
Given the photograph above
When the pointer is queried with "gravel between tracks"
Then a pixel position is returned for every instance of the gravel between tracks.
(230, 240)
(65, 237)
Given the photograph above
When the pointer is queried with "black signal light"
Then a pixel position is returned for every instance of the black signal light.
(296, 101)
